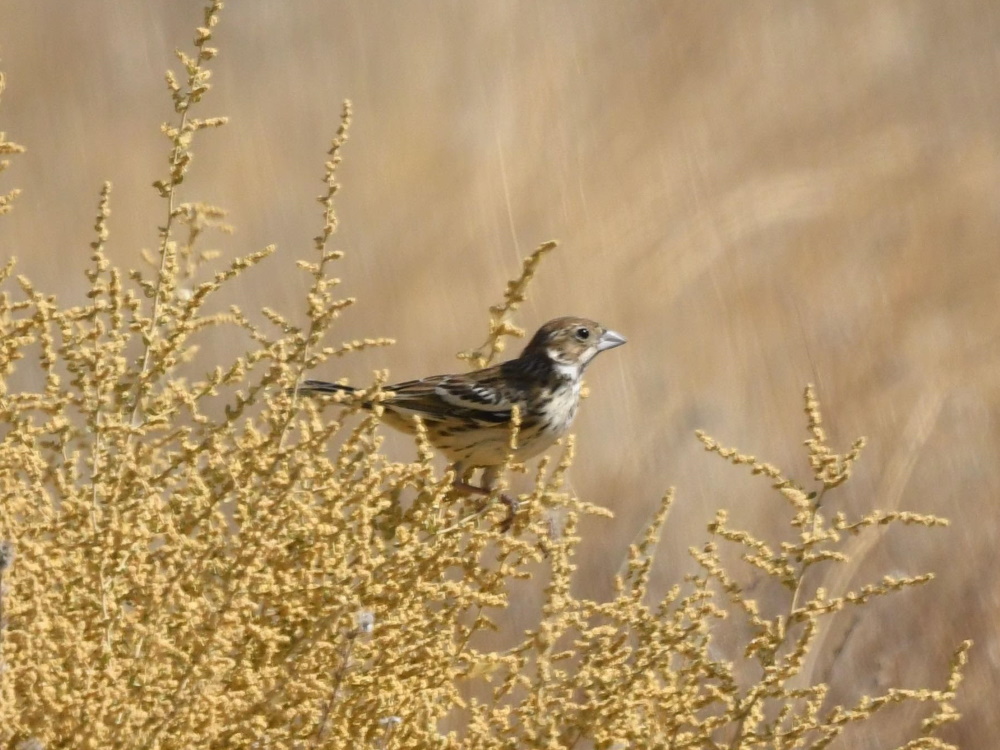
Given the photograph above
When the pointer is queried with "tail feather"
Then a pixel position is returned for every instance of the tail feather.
(309, 387)
(320, 387)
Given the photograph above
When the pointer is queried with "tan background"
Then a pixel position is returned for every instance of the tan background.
(757, 194)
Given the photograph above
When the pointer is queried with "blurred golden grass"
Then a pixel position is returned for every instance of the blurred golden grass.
(7, 148)
(195, 561)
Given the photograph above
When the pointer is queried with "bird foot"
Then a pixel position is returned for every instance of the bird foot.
(511, 503)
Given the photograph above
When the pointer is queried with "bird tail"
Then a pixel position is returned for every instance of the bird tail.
(316, 387)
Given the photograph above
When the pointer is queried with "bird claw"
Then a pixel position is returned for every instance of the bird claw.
(512, 504)
(512, 507)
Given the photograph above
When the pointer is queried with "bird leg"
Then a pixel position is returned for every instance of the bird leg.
(490, 477)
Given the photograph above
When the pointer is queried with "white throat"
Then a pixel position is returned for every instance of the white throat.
(568, 370)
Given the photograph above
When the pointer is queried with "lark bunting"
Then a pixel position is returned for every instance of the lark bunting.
(468, 416)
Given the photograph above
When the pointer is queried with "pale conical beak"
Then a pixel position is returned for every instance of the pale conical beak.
(610, 340)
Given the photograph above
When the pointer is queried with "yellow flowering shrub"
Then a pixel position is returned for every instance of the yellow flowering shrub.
(212, 562)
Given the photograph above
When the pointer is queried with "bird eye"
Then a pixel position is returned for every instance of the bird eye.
(583, 333)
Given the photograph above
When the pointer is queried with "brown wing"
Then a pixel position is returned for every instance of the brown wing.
(484, 396)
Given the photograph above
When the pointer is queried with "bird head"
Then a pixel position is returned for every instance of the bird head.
(572, 343)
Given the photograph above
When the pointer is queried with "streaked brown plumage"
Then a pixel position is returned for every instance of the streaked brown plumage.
(468, 416)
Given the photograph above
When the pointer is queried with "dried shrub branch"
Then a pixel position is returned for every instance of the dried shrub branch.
(501, 326)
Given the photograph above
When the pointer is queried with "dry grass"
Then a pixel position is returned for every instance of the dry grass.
(201, 561)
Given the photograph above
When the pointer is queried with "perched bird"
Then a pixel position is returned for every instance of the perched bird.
(468, 416)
